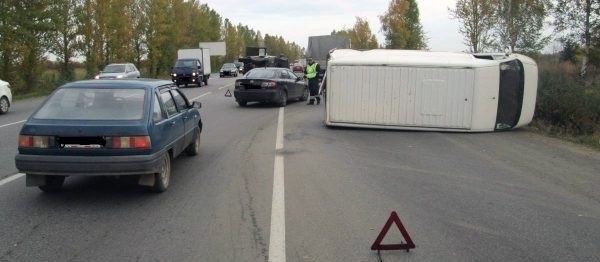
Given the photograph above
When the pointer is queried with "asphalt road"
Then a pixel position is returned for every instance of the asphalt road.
(510, 196)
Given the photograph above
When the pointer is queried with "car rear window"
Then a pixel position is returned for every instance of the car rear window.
(262, 73)
(94, 104)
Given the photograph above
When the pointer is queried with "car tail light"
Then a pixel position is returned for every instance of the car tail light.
(34, 141)
(123, 142)
(268, 85)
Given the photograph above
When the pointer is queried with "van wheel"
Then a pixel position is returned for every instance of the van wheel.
(194, 147)
(53, 184)
(283, 99)
(163, 177)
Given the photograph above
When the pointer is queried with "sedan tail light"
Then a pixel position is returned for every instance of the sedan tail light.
(124, 142)
(268, 85)
(34, 141)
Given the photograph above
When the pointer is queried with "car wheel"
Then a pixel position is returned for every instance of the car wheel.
(206, 81)
(283, 99)
(304, 96)
(163, 177)
(4, 105)
(194, 148)
(53, 184)
(242, 103)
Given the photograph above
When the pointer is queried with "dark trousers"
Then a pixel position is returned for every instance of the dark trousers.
(313, 87)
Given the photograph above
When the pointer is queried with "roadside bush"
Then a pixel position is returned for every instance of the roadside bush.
(567, 102)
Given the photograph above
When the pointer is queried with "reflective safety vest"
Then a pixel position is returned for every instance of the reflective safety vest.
(311, 71)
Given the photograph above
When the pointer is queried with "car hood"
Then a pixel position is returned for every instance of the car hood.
(3, 83)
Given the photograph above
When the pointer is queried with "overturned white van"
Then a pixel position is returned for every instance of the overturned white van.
(436, 91)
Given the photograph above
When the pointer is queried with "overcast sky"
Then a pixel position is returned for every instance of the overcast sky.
(296, 20)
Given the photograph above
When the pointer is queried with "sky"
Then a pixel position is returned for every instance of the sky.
(297, 20)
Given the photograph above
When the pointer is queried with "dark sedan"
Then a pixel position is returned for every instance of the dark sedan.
(270, 85)
(108, 128)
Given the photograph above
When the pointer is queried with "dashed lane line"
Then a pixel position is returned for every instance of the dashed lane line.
(11, 178)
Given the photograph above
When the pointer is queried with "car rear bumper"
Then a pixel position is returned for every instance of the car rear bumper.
(256, 95)
(88, 165)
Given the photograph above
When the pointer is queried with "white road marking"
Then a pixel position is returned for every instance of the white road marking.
(277, 236)
(221, 88)
(11, 178)
(198, 97)
(18, 122)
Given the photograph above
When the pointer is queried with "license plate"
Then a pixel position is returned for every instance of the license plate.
(81, 146)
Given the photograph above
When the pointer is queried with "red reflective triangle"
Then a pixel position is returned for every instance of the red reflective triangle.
(396, 220)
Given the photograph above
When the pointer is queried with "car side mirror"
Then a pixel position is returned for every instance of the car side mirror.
(197, 105)
(199, 67)
(171, 68)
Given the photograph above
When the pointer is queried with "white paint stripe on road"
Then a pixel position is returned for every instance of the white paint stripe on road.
(18, 122)
(200, 96)
(277, 236)
(221, 88)
(11, 178)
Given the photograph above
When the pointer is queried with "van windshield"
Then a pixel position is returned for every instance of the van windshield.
(185, 63)
(94, 104)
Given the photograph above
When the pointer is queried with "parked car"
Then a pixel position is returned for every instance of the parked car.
(270, 84)
(108, 128)
(5, 97)
(117, 71)
(228, 69)
(298, 69)
(240, 67)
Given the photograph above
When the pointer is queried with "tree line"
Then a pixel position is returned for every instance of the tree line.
(98, 32)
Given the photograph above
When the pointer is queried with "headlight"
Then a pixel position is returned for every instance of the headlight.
(120, 76)
(174, 75)
(193, 74)
(97, 77)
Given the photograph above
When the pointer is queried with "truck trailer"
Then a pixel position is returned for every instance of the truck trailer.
(431, 91)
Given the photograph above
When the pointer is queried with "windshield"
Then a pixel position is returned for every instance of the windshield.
(185, 63)
(93, 104)
(262, 73)
(228, 66)
(114, 69)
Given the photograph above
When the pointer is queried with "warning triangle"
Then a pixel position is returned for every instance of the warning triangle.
(396, 220)
(228, 93)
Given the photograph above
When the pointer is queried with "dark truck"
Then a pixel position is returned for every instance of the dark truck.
(191, 67)
(256, 57)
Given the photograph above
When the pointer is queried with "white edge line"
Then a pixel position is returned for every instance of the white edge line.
(18, 122)
(277, 235)
(11, 178)
(198, 97)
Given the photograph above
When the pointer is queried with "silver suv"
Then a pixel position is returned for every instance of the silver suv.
(113, 71)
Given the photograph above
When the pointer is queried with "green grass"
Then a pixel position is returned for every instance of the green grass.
(544, 128)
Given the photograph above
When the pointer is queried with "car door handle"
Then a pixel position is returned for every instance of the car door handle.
(172, 123)
(185, 118)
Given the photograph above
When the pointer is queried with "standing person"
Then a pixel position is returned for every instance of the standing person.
(310, 73)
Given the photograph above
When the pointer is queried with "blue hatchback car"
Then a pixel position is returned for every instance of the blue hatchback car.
(109, 128)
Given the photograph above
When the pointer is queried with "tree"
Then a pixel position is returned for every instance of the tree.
(579, 21)
(402, 27)
(477, 20)
(63, 39)
(360, 35)
(519, 25)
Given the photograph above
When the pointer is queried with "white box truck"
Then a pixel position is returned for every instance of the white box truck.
(192, 67)
(435, 91)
